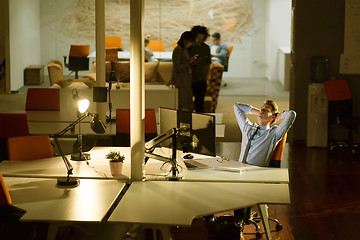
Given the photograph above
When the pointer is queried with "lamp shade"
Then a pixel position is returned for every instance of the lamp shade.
(97, 125)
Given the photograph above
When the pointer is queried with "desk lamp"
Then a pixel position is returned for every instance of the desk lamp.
(155, 142)
(95, 124)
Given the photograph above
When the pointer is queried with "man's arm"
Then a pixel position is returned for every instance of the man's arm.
(240, 111)
(288, 118)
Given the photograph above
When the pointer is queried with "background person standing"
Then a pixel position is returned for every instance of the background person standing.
(201, 65)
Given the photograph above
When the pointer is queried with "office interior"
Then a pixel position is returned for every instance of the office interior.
(316, 29)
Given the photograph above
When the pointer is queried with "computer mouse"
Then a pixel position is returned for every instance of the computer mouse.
(188, 156)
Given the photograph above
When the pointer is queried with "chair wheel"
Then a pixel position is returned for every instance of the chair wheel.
(258, 235)
(278, 227)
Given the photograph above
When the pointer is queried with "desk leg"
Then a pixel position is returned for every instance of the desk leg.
(265, 218)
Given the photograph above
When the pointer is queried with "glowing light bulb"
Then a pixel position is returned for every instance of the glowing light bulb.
(83, 105)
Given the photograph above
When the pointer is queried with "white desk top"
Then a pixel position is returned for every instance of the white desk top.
(219, 170)
(177, 203)
(43, 201)
(99, 168)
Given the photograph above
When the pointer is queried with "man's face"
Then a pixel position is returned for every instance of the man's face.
(199, 38)
(265, 115)
(216, 41)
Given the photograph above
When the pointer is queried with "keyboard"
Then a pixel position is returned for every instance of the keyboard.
(193, 164)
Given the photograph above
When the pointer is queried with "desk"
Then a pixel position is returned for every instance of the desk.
(99, 169)
(90, 202)
(125, 55)
(177, 203)
(199, 192)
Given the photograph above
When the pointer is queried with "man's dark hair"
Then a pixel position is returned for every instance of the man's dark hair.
(216, 35)
(200, 29)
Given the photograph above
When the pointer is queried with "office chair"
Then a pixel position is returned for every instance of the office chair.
(78, 58)
(12, 125)
(122, 137)
(113, 42)
(230, 48)
(156, 45)
(251, 216)
(340, 113)
(228, 56)
(43, 99)
(29, 148)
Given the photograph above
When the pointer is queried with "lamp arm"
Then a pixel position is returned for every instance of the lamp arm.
(73, 124)
(153, 143)
(68, 165)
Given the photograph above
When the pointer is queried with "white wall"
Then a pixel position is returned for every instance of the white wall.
(278, 34)
(24, 31)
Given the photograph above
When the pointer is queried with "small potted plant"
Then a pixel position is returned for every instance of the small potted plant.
(116, 162)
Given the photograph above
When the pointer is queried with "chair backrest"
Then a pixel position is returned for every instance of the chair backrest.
(111, 54)
(43, 99)
(230, 50)
(5, 198)
(123, 126)
(339, 100)
(175, 44)
(29, 147)
(79, 50)
(278, 153)
(113, 42)
(156, 45)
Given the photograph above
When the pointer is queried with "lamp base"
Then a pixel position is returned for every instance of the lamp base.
(80, 157)
(68, 181)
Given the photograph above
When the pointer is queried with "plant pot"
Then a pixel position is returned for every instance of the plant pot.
(116, 168)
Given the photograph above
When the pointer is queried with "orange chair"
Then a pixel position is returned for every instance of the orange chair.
(111, 54)
(113, 42)
(12, 125)
(230, 48)
(175, 44)
(5, 198)
(122, 137)
(156, 46)
(340, 115)
(43, 99)
(29, 147)
(78, 58)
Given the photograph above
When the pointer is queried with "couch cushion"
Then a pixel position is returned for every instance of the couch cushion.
(92, 75)
(122, 71)
(165, 72)
(151, 71)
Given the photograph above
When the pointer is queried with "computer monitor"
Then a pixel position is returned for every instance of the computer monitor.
(202, 130)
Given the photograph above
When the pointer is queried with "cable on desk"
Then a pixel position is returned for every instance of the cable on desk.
(98, 172)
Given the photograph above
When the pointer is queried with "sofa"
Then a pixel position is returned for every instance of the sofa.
(161, 73)
(155, 72)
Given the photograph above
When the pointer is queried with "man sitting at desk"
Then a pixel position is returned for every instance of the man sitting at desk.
(259, 140)
(219, 50)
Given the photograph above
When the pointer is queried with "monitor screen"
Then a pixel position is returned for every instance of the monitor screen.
(202, 130)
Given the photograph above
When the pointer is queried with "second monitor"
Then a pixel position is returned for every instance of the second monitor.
(202, 130)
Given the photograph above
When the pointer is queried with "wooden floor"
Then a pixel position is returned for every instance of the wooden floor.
(325, 196)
